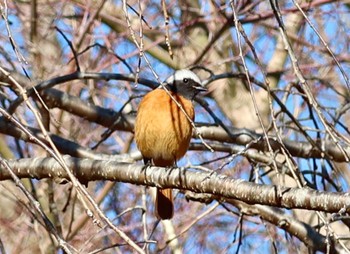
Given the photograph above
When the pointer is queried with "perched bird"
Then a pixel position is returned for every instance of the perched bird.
(162, 130)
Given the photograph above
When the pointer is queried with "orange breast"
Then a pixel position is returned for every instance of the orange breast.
(162, 131)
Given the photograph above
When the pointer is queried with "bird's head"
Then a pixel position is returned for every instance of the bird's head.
(185, 83)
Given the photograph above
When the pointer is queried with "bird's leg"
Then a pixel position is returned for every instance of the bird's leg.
(175, 162)
(147, 163)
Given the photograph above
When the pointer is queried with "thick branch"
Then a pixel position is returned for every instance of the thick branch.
(65, 146)
(186, 179)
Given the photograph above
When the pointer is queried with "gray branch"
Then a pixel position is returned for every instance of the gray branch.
(185, 179)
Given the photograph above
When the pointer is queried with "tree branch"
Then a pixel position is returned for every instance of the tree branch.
(301, 230)
(185, 179)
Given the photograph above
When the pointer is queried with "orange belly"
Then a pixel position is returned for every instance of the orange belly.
(162, 131)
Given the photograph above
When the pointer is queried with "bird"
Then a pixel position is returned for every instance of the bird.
(163, 131)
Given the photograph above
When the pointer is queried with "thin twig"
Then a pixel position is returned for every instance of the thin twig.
(305, 86)
(36, 205)
(325, 44)
(70, 44)
(167, 34)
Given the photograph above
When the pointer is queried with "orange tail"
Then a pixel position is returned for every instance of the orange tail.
(164, 204)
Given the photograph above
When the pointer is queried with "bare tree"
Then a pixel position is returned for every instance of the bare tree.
(267, 169)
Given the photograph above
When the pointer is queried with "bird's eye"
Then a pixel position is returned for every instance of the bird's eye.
(185, 80)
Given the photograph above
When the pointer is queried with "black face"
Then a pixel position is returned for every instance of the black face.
(188, 88)
(185, 83)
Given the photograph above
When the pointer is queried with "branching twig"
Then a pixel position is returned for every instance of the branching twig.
(36, 205)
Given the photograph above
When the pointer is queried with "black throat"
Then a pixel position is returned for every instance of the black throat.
(186, 90)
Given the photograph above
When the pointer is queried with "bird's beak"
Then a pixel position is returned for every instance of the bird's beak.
(200, 88)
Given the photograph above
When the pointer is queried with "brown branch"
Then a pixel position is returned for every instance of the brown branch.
(64, 146)
(105, 117)
(56, 98)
